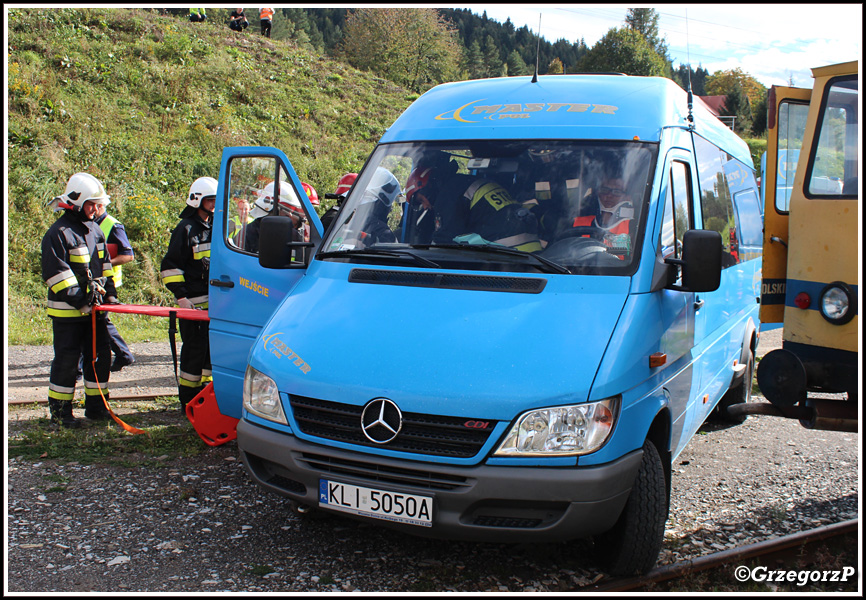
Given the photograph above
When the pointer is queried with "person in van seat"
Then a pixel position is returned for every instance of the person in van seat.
(487, 209)
(378, 202)
(614, 215)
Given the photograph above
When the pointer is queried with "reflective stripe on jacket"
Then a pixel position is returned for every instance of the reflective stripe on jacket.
(74, 254)
(184, 268)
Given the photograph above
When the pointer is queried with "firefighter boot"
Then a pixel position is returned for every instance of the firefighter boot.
(94, 409)
(61, 413)
(185, 394)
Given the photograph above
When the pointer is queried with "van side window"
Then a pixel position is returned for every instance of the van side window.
(751, 224)
(678, 217)
(717, 207)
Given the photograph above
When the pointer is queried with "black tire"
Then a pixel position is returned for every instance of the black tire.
(632, 546)
(739, 394)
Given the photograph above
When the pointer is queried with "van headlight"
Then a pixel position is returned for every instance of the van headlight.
(561, 430)
(261, 396)
(836, 303)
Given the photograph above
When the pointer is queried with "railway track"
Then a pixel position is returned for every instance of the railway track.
(114, 399)
(768, 550)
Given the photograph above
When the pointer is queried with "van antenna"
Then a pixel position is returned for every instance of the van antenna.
(537, 50)
(690, 117)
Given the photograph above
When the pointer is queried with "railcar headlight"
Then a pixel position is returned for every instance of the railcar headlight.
(561, 430)
(261, 396)
(836, 303)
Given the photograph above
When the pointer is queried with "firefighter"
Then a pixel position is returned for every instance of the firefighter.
(343, 187)
(288, 205)
(184, 271)
(380, 199)
(486, 209)
(77, 269)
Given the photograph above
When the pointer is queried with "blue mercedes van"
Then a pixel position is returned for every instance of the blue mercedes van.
(533, 296)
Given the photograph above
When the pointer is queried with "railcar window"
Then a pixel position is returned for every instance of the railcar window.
(833, 167)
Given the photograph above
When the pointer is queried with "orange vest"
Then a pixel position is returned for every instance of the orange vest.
(267, 13)
(621, 227)
(617, 237)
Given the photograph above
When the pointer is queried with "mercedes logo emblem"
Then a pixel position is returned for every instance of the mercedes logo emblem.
(381, 420)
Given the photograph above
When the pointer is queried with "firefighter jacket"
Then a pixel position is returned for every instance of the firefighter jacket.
(496, 217)
(74, 262)
(184, 268)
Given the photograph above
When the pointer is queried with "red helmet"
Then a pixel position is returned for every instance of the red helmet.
(418, 179)
(311, 193)
(345, 184)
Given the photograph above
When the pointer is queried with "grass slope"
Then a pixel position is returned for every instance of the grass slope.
(146, 103)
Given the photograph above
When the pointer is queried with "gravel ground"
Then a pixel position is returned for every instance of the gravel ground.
(197, 524)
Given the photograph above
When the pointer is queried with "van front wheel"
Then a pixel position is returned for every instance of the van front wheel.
(632, 546)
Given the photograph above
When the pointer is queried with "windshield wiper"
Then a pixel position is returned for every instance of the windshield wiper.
(391, 252)
(549, 265)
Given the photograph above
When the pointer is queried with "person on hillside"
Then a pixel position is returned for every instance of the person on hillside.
(77, 270)
(120, 251)
(266, 15)
(184, 271)
(197, 15)
(238, 20)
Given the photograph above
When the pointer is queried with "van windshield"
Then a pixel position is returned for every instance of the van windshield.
(524, 206)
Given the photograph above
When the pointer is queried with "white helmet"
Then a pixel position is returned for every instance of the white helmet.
(201, 188)
(81, 188)
(265, 202)
(383, 187)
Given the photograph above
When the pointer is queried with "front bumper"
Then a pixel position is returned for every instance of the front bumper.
(481, 503)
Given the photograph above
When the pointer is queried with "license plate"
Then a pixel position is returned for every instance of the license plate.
(378, 504)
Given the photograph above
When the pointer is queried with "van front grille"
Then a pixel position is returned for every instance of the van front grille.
(433, 435)
(379, 473)
(451, 281)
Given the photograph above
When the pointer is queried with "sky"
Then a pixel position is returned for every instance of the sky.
(775, 43)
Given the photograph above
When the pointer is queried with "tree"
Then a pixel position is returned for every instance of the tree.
(493, 65)
(515, 64)
(722, 83)
(684, 74)
(623, 51)
(555, 67)
(759, 117)
(737, 105)
(646, 22)
(473, 61)
(413, 47)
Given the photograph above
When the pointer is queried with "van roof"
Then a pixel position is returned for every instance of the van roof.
(591, 107)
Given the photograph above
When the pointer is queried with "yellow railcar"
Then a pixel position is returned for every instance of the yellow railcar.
(810, 279)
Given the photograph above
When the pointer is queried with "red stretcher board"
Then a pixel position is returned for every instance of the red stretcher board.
(190, 314)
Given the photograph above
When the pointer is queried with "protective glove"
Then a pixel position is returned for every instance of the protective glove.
(111, 300)
(185, 303)
(97, 291)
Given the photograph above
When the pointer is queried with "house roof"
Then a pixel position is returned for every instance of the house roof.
(715, 104)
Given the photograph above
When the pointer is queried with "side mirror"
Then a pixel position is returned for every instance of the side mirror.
(701, 262)
(277, 246)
